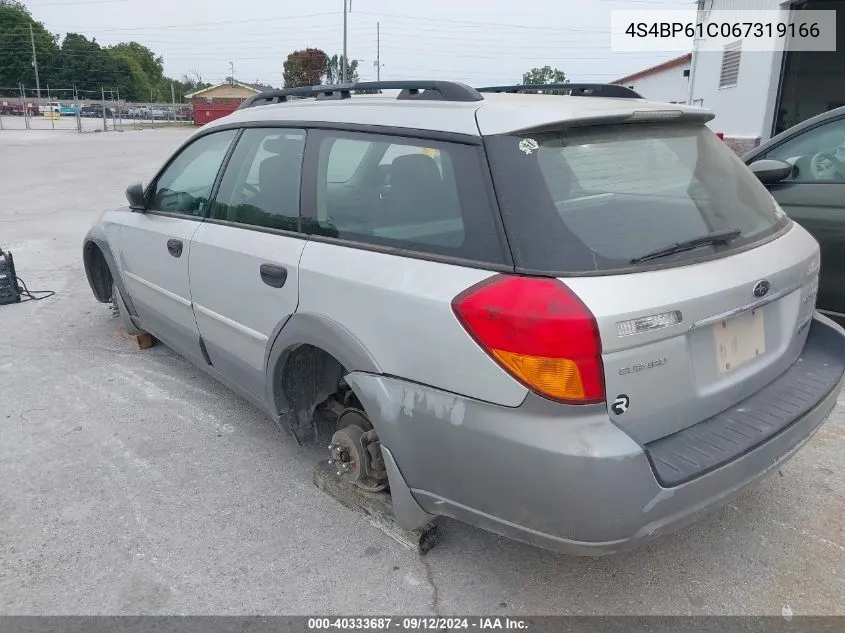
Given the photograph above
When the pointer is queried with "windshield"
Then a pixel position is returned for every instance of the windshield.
(599, 198)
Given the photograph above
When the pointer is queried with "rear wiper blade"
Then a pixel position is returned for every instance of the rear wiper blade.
(716, 237)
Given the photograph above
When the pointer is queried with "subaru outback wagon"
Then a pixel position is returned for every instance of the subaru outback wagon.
(575, 320)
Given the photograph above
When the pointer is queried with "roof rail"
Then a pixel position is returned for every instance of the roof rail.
(423, 90)
(575, 90)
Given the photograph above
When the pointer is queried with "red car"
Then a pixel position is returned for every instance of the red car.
(16, 109)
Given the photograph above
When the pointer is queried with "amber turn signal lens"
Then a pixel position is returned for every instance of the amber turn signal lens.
(555, 377)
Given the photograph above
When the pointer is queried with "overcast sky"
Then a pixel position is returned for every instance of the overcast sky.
(477, 41)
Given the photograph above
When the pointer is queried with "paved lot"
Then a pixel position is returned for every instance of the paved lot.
(132, 483)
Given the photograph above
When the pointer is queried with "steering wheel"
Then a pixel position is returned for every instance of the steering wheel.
(825, 166)
(252, 188)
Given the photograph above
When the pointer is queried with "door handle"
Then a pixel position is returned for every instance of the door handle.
(275, 276)
(174, 247)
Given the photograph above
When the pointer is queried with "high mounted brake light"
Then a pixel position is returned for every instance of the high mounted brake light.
(655, 115)
(540, 332)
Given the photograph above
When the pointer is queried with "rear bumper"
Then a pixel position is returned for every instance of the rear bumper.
(566, 478)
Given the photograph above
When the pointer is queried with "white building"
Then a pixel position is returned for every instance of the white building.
(668, 81)
(758, 94)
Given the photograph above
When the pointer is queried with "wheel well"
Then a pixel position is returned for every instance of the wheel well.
(98, 271)
(307, 382)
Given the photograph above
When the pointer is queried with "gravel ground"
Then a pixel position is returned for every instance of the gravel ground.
(132, 483)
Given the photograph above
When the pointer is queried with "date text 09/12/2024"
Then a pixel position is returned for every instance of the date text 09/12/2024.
(416, 624)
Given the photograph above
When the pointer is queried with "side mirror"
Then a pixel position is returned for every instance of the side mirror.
(135, 196)
(769, 171)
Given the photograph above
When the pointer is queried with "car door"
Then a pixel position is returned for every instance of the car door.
(244, 262)
(156, 242)
(814, 196)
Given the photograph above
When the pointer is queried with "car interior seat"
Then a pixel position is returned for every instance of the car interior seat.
(417, 191)
(802, 169)
(279, 176)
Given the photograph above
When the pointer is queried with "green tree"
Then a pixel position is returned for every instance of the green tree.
(16, 48)
(14, 4)
(84, 64)
(141, 72)
(305, 68)
(129, 67)
(149, 62)
(544, 75)
(334, 74)
(262, 86)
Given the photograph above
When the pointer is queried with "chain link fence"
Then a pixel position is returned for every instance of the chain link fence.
(71, 110)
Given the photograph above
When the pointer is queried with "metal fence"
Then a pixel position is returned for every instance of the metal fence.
(69, 109)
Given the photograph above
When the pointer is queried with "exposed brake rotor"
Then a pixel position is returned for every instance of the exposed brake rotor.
(356, 451)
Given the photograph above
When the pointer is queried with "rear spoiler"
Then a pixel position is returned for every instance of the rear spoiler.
(616, 118)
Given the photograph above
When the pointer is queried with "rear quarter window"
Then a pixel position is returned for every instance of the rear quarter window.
(596, 198)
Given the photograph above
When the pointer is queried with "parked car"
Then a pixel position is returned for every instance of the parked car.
(67, 110)
(804, 169)
(578, 321)
(161, 114)
(16, 109)
(95, 111)
(138, 112)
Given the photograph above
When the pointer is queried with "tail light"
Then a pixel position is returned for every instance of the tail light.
(538, 331)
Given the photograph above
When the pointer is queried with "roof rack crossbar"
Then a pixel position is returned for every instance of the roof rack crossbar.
(423, 90)
(575, 90)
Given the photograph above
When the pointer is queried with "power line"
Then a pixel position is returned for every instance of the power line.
(464, 34)
(489, 24)
(223, 23)
(422, 46)
(73, 4)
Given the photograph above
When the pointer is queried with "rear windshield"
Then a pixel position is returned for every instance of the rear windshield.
(599, 198)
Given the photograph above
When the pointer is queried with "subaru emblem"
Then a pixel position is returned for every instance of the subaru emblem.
(761, 288)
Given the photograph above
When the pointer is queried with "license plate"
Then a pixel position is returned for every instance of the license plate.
(739, 340)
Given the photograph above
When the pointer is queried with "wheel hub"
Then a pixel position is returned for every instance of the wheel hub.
(356, 453)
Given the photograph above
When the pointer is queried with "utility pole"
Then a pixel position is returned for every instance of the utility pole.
(173, 101)
(76, 108)
(232, 70)
(23, 105)
(105, 119)
(49, 105)
(378, 51)
(35, 63)
(343, 61)
(119, 110)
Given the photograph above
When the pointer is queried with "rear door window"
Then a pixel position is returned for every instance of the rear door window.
(420, 195)
(599, 198)
(261, 185)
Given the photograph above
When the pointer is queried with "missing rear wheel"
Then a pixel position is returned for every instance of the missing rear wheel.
(356, 451)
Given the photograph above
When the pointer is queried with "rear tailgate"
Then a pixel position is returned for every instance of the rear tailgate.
(700, 286)
(726, 344)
